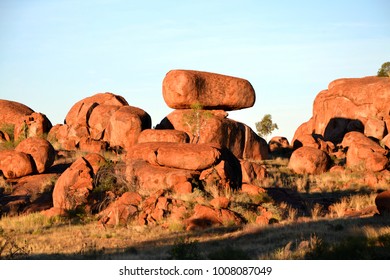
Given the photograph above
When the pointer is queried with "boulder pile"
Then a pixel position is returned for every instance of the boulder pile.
(196, 146)
(351, 121)
(351, 124)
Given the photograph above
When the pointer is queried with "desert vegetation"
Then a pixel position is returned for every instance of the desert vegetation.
(310, 217)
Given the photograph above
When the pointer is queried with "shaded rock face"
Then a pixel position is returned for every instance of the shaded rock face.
(349, 105)
(278, 144)
(183, 88)
(30, 194)
(308, 160)
(382, 202)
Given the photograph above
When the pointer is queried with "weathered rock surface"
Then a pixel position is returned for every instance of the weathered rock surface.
(183, 88)
(125, 126)
(205, 216)
(121, 210)
(150, 178)
(308, 160)
(100, 121)
(24, 121)
(74, 185)
(40, 150)
(14, 164)
(214, 128)
(348, 105)
(176, 155)
(364, 152)
(33, 125)
(163, 135)
(252, 172)
(278, 144)
(81, 111)
(13, 112)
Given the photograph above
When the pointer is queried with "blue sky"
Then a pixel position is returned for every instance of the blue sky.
(54, 53)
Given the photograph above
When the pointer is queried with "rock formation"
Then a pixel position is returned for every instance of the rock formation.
(350, 120)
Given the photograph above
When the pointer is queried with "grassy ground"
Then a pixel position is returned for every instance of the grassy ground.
(329, 216)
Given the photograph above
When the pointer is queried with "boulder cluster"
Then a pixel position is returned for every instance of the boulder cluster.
(124, 170)
(195, 146)
(350, 125)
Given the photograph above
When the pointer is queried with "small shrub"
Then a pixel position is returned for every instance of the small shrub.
(353, 248)
(184, 249)
(229, 253)
(11, 248)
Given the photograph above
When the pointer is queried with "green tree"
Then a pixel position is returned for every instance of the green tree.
(266, 126)
(384, 71)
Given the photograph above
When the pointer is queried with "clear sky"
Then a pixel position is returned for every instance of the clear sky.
(56, 52)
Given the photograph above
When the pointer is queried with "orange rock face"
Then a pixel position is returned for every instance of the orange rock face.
(14, 164)
(183, 88)
(364, 152)
(349, 105)
(214, 128)
(40, 150)
(12, 112)
(81, 111)
(125, 126)
(163, 135)
(308, 160)
(72, 188)
(176, 155)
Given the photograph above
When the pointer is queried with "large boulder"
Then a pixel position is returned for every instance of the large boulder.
(14, 164)
(121, 210)
(205, 217)
(364, 152)
(212, 127)
(40, 150)
(13, 112)
(81, 111)
(22, 120)
(348, 105)
(100, 119)
(125, 126)
(33, 125)
(308, 160)
(184, 88)
(73, 187)
(176, 155)
(147, 178)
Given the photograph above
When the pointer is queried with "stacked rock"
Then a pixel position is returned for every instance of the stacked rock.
(201, 101)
